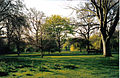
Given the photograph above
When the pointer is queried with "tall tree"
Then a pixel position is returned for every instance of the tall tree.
(107, 12)
(18, 26)
(86, 26)
(58, 26)
(11, 13)
(37, 27)
(85, 23)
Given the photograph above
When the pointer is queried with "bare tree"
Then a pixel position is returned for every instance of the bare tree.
(36, 21)
(86, 26)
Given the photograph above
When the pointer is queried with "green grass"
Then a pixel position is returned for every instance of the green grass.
(64, 65)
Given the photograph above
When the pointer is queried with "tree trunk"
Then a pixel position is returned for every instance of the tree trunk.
(66, 48)
(41, 47)
(88, 45)
(18, 49)
(80, 49)
(88, 36)
(8, 35)
(106, 48)
(41, 43)
(37, 42)
(59, 45)
(42, 54)
(101, 45)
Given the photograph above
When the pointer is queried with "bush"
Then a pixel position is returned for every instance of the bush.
(3, 69)
(30, 49)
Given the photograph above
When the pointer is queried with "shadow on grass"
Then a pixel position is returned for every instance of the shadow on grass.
(99, 64)
(3, 73)
(39, 56)
(70, 54)
(26, 59)
(22, 59)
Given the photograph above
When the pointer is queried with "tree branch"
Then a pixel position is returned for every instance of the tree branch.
(113, 6)
(112, 28)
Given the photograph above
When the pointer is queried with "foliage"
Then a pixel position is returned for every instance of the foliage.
(96, 41)
(74, 48)
(66, 46)
(58, 27)
(19, 32)
(10, 7)
(3, 67)
(115, 42)
(13, 23)
(78, 43)
(50, 45)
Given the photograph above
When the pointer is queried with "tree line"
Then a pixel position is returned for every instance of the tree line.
(30, 30)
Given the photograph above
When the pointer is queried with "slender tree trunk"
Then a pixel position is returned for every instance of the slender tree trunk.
(37, 43)
(41, 46)
(18, 41)
(8, 43)
(88, 36)
(8, 35)
(18, 49)
(65, 48)
(80, 49)
(59, 46)
(88, 45)
(42, 54)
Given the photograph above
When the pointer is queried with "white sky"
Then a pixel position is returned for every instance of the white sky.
(50, 7)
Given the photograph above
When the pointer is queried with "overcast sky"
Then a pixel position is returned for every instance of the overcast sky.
(50, 7)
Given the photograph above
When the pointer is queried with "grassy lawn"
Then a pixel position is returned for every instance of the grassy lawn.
(65, 65)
